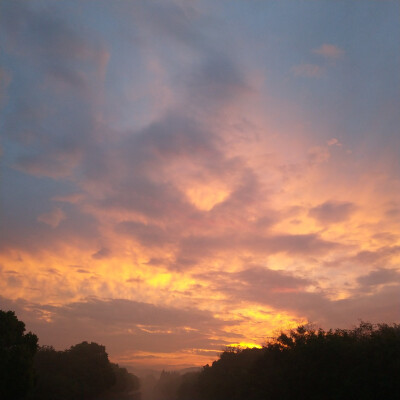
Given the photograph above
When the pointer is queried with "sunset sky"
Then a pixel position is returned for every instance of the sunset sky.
(181, 176)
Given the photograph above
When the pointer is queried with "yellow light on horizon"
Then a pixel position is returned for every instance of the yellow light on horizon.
(245, 345)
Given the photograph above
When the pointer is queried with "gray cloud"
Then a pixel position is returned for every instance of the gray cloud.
(122, 311)
(26, 233)
(380, 276)
(195, 246)
(41, 33)
(148, 235)
(215, 82)
(50, 51)
(104, 252)
(369, 258)
(372, 257)
(271, 279)
(332, 212)
(261, 285)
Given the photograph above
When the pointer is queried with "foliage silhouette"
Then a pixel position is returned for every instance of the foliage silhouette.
(305, 363)
(125, 382)
(17, 350)
(81, 372)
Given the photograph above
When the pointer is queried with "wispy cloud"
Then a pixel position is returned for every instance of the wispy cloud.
(329, 51)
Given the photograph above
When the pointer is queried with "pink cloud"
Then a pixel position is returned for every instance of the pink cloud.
(329, 51)
(334, 142)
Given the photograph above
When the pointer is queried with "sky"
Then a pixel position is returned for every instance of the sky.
(178, 177)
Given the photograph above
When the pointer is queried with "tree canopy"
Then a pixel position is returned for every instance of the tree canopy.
(17, 350)
(81, 372)
(362, 363)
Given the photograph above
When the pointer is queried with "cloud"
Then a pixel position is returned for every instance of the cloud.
(65, 65)
(386, 237)
(302, 244)
(393, 213)
(381, 256)
(332, 212)
(216, 81)
(123, 311)
(373, 257)
(52, 218)
(54, 166)
(123, 326)
(197, 247)
(102, 253)
(41, 32)
(380, 276)
(334, 142)
(181, 174)
(329, 51)
(5, 80)
(148, 235)
(275, 280)
(29, 231)
(278, 289)
(282, 290)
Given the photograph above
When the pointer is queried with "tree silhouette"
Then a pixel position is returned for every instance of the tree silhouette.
(17, 350)
(305, 363)
(125, 382)
(82, 372)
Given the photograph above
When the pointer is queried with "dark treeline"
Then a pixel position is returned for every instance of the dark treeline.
(363, 363)
(82, 372)
(305, 363)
